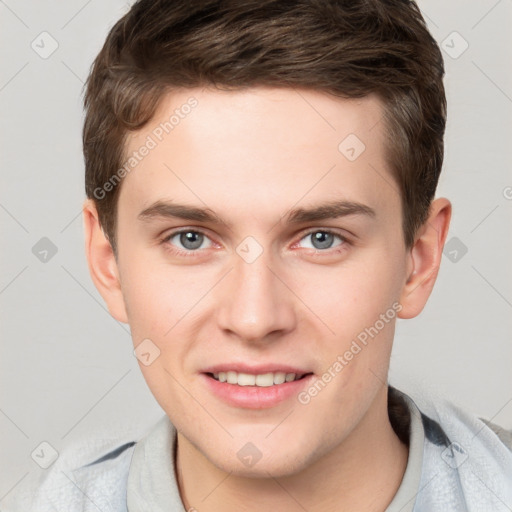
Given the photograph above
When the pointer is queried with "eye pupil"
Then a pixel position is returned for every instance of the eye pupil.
(191, 239)
(323, 238)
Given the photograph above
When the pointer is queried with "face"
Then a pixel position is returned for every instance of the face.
(267, 281)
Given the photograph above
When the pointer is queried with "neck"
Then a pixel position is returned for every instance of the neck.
(362, 473)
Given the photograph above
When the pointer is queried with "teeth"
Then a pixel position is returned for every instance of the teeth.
(280, 377)
(265, 379)
(262, 380)
(245, 379)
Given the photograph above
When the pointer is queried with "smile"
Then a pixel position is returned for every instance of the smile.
(256, 390)
(261, 380)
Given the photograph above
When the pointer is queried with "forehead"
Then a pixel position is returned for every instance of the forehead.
(261, 148)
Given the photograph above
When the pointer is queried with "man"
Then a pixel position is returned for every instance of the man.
(260, 179)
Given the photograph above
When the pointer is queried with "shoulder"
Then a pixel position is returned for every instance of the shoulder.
(77, 482)
(504, 435)
(458, 424)
(466, 460)
(445, 422)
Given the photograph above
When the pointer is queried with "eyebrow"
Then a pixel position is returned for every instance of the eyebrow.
(324, 211)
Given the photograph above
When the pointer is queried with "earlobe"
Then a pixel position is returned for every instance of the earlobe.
(425, 259)
(102, 263)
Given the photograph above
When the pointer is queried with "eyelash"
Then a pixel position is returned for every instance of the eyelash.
(193, 253)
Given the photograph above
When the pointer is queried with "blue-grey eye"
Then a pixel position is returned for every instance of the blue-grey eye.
(190, 240)
(322, 239)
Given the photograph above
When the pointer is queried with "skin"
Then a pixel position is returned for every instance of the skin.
(251, 156)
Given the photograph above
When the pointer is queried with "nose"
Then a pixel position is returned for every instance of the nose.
(255, 304)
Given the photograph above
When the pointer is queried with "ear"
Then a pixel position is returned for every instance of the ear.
(425, 259)
(102, 263)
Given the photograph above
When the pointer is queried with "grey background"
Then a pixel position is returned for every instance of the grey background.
(67, 368)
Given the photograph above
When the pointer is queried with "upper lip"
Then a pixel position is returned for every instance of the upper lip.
(255, 369)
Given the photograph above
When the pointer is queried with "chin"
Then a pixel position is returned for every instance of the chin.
(249, 461)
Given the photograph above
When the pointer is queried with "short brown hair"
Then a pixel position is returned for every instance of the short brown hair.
(348, 48)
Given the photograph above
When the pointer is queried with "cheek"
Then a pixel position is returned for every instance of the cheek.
(150, 298)
(353, 295)
(163, 303)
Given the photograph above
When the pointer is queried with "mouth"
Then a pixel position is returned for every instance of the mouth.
(251, 386)
(259, 380)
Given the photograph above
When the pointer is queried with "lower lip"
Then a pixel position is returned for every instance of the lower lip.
(256, 397)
